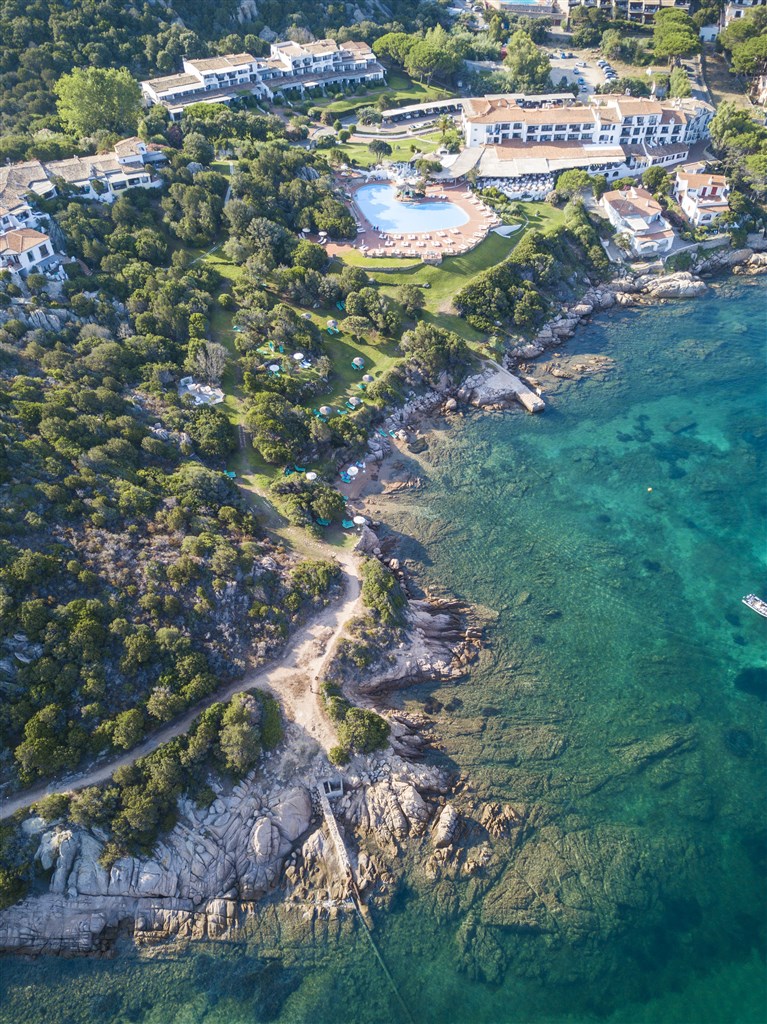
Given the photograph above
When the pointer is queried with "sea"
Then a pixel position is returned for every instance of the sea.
(617, 713)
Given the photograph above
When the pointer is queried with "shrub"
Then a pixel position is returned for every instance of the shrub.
(382, 593)
(339, 755)
(363, 730)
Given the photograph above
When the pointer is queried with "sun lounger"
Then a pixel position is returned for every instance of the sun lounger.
(323, 522)
(347, 524)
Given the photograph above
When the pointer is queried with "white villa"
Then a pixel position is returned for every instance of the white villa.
(23, 250)
(290, 65)
(701, 196)
(634, 212)
(103, 177)
(739, 8)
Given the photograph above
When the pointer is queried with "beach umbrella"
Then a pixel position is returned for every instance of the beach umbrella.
(332, 323)
(306, 316)
(355, 402)
(274, 367)
(358, 362)
(311, 476)
(352, 471)
(298, 356)
(359, 521)
(368, 379)
(325, 410)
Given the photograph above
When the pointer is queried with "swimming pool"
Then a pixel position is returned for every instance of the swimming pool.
(382, 209)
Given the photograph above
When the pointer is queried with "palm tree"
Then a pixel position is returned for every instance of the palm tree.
(445, 123)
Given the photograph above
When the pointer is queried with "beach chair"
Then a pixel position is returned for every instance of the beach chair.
(230, 473)
(323, 522)
(347, 524)
(288, 471)
(346, 478)
(350, 406)
(299, 469)
(361, 386)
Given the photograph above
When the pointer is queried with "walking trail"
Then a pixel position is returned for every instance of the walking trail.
(293, 679)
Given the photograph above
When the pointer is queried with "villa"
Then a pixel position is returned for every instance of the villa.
(102, 177)
(635, 213)
(702, 197)
(290, 66)
(737, 9)
(24, 249)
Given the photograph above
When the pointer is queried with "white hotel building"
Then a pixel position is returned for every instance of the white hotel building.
(298, 66)
(515, 136)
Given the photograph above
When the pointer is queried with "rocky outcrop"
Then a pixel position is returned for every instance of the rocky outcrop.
(755, 264)
(204, 879)
(496, 388)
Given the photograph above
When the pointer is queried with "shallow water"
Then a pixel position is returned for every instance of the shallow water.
(620, 704)
(382, 208)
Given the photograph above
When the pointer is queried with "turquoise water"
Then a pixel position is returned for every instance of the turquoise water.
(618, 707)
(382, 209)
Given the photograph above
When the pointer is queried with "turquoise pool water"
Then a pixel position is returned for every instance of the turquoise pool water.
(615, 703)
(382, 209)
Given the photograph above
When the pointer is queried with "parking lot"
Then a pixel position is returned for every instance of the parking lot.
(569, 69)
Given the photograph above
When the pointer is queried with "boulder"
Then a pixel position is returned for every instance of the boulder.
(445, 827)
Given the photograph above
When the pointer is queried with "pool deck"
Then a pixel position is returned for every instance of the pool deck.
(431, 246)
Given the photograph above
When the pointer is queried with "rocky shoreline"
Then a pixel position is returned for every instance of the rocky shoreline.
(262, 848)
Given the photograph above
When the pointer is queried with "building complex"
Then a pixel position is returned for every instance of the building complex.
(290, 66)
(509, 138)
(102, 177)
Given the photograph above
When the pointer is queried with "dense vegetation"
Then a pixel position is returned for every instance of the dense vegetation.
(43, 40)
(542, 269)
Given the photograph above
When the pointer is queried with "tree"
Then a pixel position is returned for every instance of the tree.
(674, 35)
(573, 182)
(211, 359)
(528, 66)
(611, 43)
(750, 56)
(411, 298)
(279, 429)
(657, 181)
(679, 83)
(128, 729)
(239, 736)
(93, 99)
(380, 148)
(434, 349)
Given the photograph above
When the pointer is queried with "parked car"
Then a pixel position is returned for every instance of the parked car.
(581, 81)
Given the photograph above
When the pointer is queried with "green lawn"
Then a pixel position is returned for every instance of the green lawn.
(399, 87)
(402, 149)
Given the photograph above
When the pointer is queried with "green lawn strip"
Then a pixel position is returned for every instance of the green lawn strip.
(402, 90)
(402, 149)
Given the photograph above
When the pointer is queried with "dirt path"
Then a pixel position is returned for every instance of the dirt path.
(293, 679)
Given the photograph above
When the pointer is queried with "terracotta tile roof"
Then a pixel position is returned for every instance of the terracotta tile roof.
(21, 240)
(692, 180)
(632, 202)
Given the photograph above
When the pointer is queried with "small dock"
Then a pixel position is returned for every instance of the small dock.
(336, 839)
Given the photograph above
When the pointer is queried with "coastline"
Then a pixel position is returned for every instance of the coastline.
(391, 801)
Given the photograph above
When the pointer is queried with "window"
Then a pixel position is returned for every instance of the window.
(44, 251)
